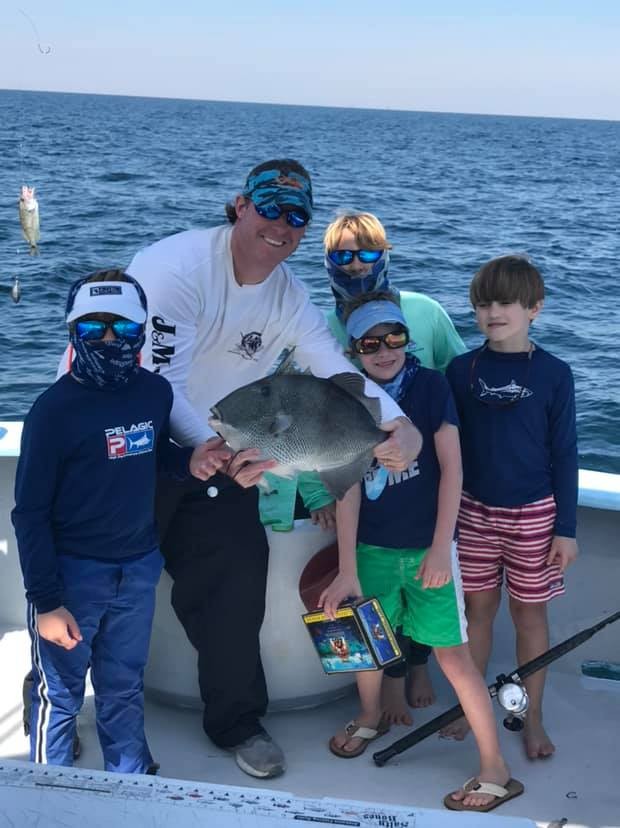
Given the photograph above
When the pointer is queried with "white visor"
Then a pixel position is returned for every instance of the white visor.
(119, 298)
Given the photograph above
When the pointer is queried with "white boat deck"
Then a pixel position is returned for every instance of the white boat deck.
(580, 783)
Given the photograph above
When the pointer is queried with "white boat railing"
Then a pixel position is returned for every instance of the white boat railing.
(294, 676)
(597, 490)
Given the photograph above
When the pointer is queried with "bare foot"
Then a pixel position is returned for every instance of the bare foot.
(499, 775)
(395, 710)
(457, 730)
(419, 689)
(537, 744)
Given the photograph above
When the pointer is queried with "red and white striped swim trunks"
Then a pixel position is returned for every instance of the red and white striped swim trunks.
(516, 539)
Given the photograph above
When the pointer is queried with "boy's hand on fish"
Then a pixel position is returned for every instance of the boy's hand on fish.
(435, 570)
(208, 458)
(563, 552)
(325, 517)
(246, 468)
(343, 586)
(59, 627)
(402, 447)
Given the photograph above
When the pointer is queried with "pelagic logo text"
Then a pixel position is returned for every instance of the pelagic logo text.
(125, 442)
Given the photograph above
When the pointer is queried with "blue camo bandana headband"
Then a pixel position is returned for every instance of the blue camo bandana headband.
(276, 187)
(346, 288)
(106, 365)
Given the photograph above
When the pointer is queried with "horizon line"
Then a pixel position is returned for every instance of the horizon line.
(314, 106)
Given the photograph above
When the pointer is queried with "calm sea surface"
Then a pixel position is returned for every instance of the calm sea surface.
(114, 173)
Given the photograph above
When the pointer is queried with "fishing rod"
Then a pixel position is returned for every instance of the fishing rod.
(509, 691)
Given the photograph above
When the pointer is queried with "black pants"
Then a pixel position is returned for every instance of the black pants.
(216, 552)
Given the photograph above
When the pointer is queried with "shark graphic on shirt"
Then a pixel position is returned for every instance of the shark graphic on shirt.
(504, 392)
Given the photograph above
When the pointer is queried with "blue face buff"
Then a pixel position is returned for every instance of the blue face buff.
(105, 364)
(346, 287)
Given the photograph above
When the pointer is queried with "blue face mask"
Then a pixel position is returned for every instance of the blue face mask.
(346, 287)
(106, 364)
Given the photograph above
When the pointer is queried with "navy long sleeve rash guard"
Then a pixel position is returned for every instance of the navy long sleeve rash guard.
(85, 482)
(520, 453)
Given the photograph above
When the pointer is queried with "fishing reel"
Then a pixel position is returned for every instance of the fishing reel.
(512, 696)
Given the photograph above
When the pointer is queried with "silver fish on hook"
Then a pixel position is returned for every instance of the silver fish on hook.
(29, 218)
(16, 291)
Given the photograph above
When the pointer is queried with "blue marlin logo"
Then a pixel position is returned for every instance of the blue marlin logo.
(504, 392)
(141, 442)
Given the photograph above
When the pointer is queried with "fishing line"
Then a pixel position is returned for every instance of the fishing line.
(47, 49)
(44, 50)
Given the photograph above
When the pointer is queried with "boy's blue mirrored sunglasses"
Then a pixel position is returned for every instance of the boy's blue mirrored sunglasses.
(296, 218)
(345, 257)
(91, 329)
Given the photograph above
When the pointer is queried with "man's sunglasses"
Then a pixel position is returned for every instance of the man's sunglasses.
(371, 344)
(345, 257)
(296, 218)
(89, 330)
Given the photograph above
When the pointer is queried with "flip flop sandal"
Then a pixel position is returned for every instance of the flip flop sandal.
(355, 731)
(502, 793)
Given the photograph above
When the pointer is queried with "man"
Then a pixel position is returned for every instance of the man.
(224, 308)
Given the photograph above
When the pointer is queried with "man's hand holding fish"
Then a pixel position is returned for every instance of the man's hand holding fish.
(402, 446)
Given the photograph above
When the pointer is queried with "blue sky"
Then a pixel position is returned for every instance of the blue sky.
(528, 58)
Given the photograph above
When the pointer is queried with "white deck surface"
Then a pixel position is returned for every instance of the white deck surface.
(581, 782)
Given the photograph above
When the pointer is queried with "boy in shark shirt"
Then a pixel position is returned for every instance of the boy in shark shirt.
(516, 405)
(84, 522)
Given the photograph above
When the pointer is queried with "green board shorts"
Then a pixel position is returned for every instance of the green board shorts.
(435, 617)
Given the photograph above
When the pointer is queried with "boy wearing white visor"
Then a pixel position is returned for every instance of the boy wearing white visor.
(84, 522)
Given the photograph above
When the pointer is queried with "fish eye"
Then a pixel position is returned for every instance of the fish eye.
(265, 390)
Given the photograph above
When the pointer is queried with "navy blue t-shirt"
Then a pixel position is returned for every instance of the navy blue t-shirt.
(520, 453)
(405, 514)
(85, 482)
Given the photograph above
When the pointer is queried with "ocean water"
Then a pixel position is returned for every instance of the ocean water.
(115, 173)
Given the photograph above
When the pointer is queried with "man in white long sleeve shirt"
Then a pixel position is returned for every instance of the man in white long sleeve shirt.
(223, 309)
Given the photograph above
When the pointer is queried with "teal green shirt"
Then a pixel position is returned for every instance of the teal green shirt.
(435, 343)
